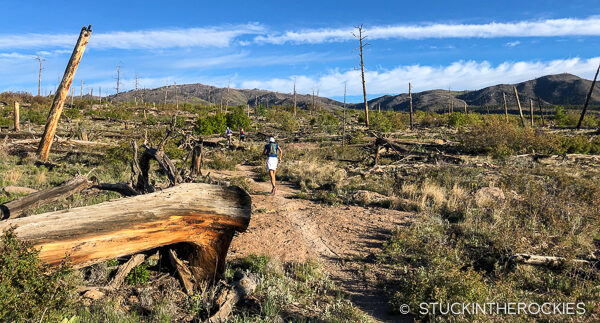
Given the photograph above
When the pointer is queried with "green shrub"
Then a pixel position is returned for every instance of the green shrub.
(326, 122)
(214, 124)
(285, 119)
(459, 119)
(379, 122)
(238, 119)
(28, 288)
(138, 275)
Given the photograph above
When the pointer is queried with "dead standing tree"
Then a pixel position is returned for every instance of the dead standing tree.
(505, 106)
(362, 69)
(411, 105)
(519, 104)
(40, 60)
(61, 95)
(294, 97)
(118, 83)
(587, 99)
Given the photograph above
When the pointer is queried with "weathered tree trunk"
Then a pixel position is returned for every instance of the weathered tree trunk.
(201, 217)
(197, 159)
(531, 111)
(362, 70)
(519, 104)
(294, 98)
(411, 105)
(505, 106)
(17, 128)
(587, 99)
(539, 100)
(548, 261)
(18, 207)
(61, 94)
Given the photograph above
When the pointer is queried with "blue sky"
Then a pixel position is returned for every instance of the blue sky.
(270, 44)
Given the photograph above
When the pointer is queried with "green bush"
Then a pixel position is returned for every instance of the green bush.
(326, 122)
(285, 119)
(379, 122)
(29, 289)
(138, 275)
(209, 125)
(459, 119)
(238, 119)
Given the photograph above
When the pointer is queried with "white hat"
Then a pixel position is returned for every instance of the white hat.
(271, 139)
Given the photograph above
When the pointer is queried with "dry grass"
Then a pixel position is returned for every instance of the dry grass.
(12, 176)
(432, 195)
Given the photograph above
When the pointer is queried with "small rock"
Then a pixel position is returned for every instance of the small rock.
(94, 294)
(438, 141)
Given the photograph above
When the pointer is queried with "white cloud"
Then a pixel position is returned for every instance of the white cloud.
(544, 28)
(221, 36)
(512, 43)
(461, 75)
(245, 58)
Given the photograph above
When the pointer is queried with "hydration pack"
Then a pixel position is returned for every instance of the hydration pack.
(272, 150)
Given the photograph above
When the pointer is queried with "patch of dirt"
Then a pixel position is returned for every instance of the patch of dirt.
(343, 238)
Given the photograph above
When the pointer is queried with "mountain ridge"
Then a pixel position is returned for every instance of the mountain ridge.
(555, 89)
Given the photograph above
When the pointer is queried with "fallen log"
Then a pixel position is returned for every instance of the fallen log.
(405, 149)
(549, 261)
(201, 217)
(121, 188)
(16, 208)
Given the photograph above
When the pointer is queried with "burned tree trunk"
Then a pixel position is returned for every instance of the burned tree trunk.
(201, 217)
(20, 206)
(520, 109)
(61, 94)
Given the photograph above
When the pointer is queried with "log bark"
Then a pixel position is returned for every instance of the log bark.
(20, 206)
(201, 217)
(124, 270)
(61, 94)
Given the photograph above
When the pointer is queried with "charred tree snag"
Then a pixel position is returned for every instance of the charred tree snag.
(197, 159)
(17, 116)
(587, 99)
(61, 94)
(520, 109)
(20, 206)
(505, 106)
(202, 217)
(411, 105)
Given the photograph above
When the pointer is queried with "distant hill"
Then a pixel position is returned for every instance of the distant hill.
(200, 93)
(559, 89)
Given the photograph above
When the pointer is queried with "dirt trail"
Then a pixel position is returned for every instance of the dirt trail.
(343, 238)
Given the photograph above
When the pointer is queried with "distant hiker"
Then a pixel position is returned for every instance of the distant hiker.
(242, 134)
(272, 150)
(228, 134)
